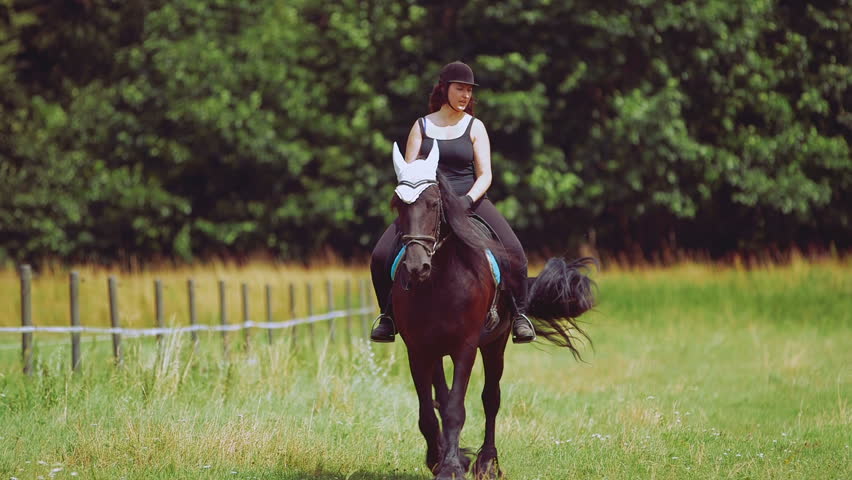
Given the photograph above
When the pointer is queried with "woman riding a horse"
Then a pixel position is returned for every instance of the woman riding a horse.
(447, 295)
(465, 161)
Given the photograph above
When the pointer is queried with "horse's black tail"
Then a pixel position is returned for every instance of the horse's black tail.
(561, 293)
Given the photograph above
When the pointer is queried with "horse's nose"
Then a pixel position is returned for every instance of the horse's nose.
(421, 272)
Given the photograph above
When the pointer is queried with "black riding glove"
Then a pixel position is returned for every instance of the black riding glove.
(467, 202)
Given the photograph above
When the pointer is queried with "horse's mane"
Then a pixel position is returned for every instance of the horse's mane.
(470, 238)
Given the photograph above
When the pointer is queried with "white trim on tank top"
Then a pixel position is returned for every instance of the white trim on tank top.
(428, 122)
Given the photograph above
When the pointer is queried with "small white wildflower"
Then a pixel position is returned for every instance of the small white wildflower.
(739, 455)
(783, 434)
(206, 466)
(74, 474)
(675, 458)
(233, 472)
(760, 455)
(650, 397)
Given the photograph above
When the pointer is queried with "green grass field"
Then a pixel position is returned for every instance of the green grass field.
(696, 372)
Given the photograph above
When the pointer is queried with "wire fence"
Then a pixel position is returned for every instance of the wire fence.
(117, 332)
(149, 332)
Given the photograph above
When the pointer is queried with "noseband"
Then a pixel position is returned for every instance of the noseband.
(429, 242)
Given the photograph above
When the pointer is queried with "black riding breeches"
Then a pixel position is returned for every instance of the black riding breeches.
(386, 246)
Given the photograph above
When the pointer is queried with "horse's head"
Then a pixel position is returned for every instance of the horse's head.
(420, 223)
(418, 202)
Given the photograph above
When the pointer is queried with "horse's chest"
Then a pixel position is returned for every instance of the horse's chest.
(444, 310)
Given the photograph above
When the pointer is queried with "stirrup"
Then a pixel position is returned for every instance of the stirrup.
(517, 339)
(377, 323)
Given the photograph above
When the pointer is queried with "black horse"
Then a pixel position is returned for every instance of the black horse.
(442, 295)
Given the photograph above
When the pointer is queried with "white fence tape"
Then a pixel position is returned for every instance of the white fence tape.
(143, 332)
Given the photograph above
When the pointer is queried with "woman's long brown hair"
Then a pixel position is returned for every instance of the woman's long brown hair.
(439, 97)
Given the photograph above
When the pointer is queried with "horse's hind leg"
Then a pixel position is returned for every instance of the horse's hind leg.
(421, 373)
(486, 466)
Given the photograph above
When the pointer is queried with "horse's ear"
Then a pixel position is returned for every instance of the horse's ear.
(398, 162)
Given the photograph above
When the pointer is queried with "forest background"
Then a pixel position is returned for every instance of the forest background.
(187, 129)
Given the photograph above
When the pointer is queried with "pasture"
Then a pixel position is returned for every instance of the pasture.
(697, 371)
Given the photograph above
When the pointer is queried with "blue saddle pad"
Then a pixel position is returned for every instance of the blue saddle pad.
(492, 262)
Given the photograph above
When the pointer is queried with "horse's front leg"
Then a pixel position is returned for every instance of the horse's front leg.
(422, 368)
(486, 466)
(455, 463)
(442, 391)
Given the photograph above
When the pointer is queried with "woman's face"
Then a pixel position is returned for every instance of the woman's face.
(458, 95)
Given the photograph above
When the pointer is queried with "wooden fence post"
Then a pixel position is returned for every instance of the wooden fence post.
(308, 290)
(268, 312)
(247, 330)
(158, 301)
(347, 304)
(223, 315)
(329, 290)
(292, 313)
(114, 319)
(74, 295)
(365, 329)
(27, 318)
(193, 319)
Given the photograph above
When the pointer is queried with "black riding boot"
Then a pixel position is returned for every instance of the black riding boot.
(385, 330)
(522, 327)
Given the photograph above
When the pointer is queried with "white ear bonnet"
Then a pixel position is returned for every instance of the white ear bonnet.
(416, 176)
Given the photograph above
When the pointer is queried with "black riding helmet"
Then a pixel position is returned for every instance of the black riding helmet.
(457, 72)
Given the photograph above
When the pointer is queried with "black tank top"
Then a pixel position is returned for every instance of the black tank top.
(456, 159)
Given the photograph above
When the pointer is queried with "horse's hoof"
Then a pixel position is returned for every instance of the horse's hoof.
(454, 475)
(488, 470)
(486, 466)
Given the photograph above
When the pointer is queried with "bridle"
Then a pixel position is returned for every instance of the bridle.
(429, 242)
